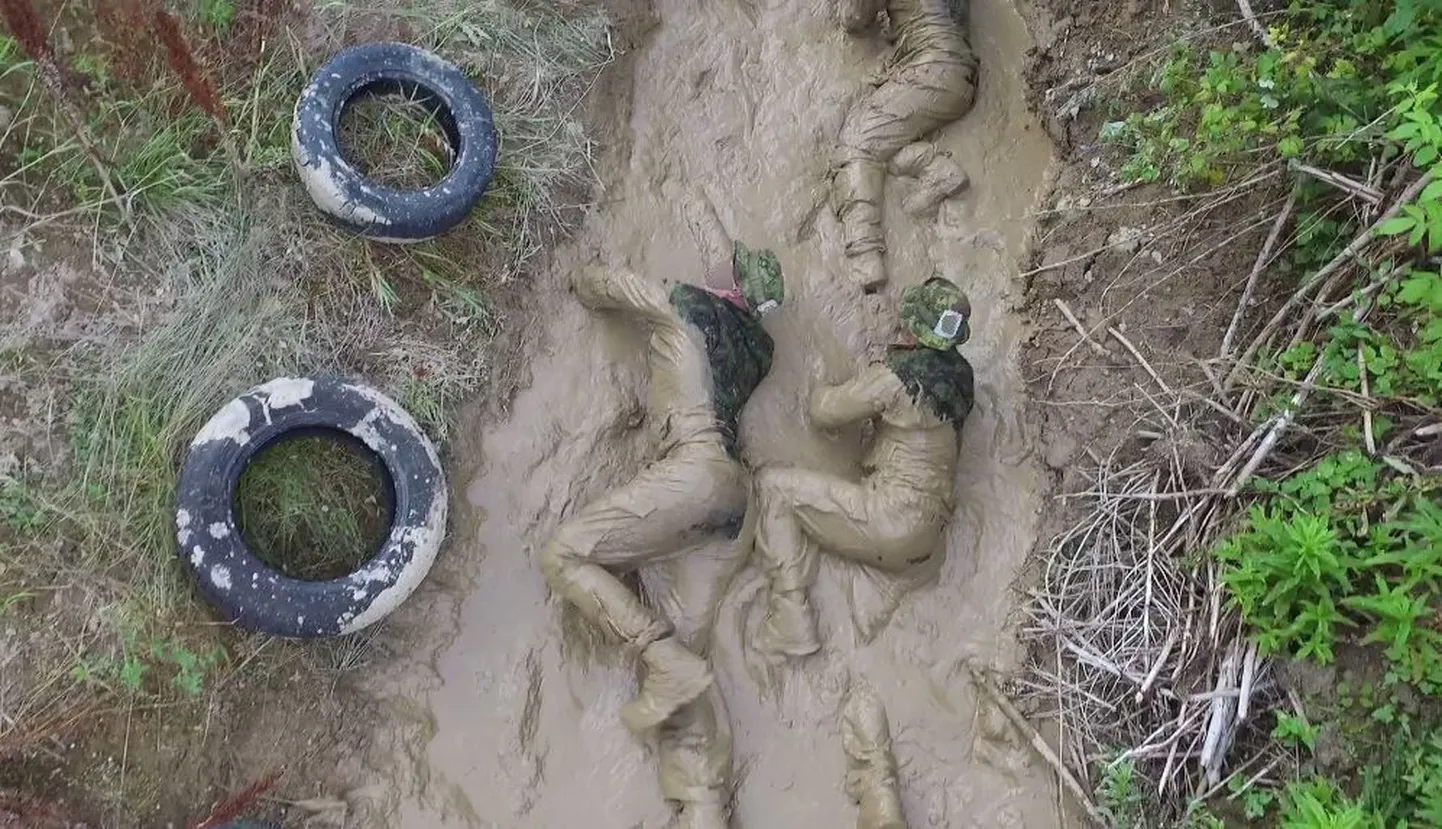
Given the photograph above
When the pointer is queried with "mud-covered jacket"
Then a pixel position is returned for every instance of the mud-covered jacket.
(738, 348)
(930, 29)
(941, 379)
(921, 397)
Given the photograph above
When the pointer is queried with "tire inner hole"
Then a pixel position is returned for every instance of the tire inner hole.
(398, 135)
(315, 505)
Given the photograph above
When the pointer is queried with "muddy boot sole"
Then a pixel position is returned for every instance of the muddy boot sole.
(700, 817)
(942, 179)
(795, 637)
(868, 272)
(643, 715)
(674, 677)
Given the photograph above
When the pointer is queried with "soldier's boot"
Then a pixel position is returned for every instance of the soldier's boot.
(701, 816)
(789, 627)
(870, 765)
(674, 677)
(938, 177)
(941, 179)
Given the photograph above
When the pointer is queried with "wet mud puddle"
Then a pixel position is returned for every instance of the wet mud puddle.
(741, 102)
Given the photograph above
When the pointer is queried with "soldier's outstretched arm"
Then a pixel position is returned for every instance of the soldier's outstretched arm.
(865, 395)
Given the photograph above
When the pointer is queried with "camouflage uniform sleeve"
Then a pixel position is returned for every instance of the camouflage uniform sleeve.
(866, 395)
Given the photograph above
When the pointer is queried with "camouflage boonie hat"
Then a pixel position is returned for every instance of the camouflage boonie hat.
(758, 275)
(937, 313)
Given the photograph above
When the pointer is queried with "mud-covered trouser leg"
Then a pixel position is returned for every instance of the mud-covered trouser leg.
(870, 765)
(919, 98)
(694, 762)
(694, 747)
(788, 554)
(603, 288)
(661, 512)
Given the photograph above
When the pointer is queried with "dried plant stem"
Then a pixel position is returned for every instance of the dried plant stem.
(1264, 257)
(1348, 253)
(1080, 329)
(987, 687)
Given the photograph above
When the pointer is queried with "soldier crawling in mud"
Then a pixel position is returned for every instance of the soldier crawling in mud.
(921, 391)
(928, 81)
(708, 353)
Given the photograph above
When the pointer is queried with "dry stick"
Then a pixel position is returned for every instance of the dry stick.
(1214, 748)
(1249, 674)
(1370, 195)
(1157, 666)
(1356, 246)
(1140, 359)
(49, 74)
(1275, 427)
(1263, 259)
(987, 687)
(1172, 755)
(1366, 409)
(1251, 18)
(1080, 329)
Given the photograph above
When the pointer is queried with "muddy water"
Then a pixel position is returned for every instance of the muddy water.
(738, 102)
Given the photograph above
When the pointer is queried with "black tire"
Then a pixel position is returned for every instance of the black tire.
(373, 210)
(250, 593)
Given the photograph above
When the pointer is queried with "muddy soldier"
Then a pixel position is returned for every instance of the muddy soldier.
(921, 392)
(708, 352)
(927, 82)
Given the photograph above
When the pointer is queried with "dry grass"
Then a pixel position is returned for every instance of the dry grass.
(253, 285)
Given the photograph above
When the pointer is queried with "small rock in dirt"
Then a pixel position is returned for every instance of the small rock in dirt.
(14, 258)
(1157, 256)
(1125, 239)
(1060, 450)
(1331, 752)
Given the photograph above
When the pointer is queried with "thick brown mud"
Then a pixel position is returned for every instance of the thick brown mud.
(739, 103)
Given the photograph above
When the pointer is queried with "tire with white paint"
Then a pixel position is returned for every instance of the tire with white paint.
(250, 593)
(371, 209)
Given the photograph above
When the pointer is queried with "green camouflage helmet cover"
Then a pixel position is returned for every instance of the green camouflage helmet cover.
(758, 275)
(937, 313)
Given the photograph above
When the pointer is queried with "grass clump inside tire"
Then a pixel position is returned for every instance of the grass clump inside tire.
(312, 507)
(395, 140)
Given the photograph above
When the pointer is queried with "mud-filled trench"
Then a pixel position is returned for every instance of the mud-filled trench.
(739, 103)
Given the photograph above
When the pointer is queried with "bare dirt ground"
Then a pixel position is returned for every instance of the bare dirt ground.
(488, 715)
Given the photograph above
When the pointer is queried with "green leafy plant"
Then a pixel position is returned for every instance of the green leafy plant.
(1284, 573)
(1120, 797)
(1295, 730)
(1320, 804)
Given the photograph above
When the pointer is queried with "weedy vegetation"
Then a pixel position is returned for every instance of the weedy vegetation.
(1316, 541)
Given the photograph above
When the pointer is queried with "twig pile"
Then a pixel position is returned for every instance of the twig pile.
(1146, 658)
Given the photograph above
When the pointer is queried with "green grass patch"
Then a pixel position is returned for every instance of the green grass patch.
(395, 140)
(313, 507)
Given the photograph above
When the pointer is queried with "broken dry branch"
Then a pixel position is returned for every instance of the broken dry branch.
(1040, 745)
(1080, 329)
(1349, 253)
(1264, 257)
